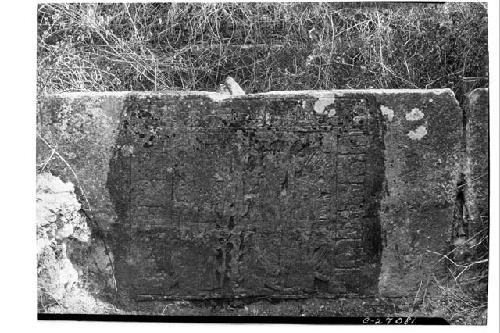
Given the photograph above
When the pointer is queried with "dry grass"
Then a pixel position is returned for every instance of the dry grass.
(460, 296)
(265, 46)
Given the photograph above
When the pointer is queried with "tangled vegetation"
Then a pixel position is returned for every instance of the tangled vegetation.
(264, 46)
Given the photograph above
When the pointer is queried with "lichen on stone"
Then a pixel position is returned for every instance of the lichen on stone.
(321, 105)
(418, 133)
(389, 113)
(414, 114)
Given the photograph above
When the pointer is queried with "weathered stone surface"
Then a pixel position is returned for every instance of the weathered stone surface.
(82, 128)
(477, 160)
(284, 193)
(423, 151)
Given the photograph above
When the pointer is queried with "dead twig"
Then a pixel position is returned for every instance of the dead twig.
(416, 295)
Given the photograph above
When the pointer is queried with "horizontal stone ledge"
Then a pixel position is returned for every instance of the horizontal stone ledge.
(285, 93)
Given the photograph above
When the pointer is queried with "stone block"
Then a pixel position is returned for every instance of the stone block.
(280, 193)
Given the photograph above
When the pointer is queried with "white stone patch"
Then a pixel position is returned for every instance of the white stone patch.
(67, 274)
(321, 104)
(234, 87)
(473, 98)
(418, 134)
(414, 114)
(388, 112)
(218, 97)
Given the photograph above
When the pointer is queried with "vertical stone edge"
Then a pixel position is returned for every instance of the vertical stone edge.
(477, 161)
(83, 131)
(423, 152)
